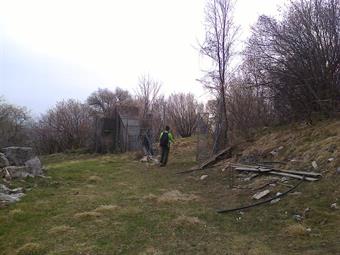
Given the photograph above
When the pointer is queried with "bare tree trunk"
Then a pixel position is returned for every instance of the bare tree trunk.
(218, 44)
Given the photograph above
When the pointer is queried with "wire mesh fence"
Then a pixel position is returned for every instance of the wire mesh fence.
(124, 132)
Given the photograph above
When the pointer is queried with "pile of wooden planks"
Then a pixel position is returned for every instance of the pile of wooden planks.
(302, 175)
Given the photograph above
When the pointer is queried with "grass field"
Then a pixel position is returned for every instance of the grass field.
(113, 204)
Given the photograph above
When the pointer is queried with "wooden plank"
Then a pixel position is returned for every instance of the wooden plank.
(256, 170)
(215, 157)
(261, 194)
(295, 176)
(311, 174)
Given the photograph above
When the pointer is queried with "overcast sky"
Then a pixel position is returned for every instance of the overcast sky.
(58, 49)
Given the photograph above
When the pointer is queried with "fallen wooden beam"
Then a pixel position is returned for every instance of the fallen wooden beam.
(295, 176)
(216, 157)
(256, 170)
(264, 169)
(312, 174)
(210, 161)
(268, 171)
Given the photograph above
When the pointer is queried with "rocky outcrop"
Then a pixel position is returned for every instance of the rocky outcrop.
(17, 172)
(34, 166)
(19, 162)
(17, 156)
(3, 161)
(8, 195)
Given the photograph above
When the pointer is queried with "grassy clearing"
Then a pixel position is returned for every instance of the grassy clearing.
(114, 205)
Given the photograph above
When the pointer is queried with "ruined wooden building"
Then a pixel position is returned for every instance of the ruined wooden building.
(123, 131)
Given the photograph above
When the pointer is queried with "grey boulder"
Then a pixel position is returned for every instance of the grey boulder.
(34, 166)
(17, 156)
(3, 161)
(18, 171)
(12, 198)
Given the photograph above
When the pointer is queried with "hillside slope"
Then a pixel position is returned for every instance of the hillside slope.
(299, 145)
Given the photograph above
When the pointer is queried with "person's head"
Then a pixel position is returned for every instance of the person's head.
(167, 128)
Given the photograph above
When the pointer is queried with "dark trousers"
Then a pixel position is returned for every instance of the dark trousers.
(164, 155)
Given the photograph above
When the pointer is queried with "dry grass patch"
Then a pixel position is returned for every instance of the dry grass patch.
(260, 250)
(175, 195)
(151, 251)
(149, 197)
(87, 215)
(15, 212)
(106, 208)
(94, 179)
(188, 220)
(57, 230)
(295, 230)
(31, 249)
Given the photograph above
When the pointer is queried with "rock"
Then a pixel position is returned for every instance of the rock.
(274, 153)
(330, 159)
(17, 190)
(308, 230)
(203, 177)
(17, 156)
(261, 194)
(338, 170)
(285, 179)
(5, 190)
(8, 195)
(144, 159)
(11, 198)
(305, 212)
(314, 165)
(274, 201)
(18, 171)
(154, 160)
(297, 217)
(34, 166)
(3, 161)
(334, 206)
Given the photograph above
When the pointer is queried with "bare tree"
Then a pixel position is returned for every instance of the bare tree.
(159, 115)
(183, 112)
(218, 47)
(14, 122)
(147, 93)
(297, 58)
(66, 126)
(104, 100)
